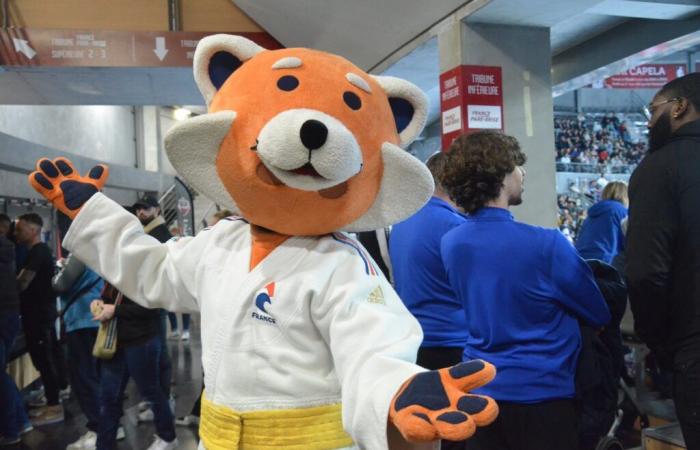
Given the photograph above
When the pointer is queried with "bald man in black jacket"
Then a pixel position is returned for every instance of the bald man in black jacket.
(663, 244)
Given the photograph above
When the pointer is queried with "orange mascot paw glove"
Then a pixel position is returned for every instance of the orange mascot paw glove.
(62, 185)
(434, 405)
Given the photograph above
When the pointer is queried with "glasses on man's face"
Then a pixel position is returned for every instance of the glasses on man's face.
(651, 107)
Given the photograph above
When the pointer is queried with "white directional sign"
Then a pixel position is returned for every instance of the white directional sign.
(160, 49)
(22, 46)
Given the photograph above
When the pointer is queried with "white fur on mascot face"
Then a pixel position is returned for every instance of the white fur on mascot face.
(301, 142)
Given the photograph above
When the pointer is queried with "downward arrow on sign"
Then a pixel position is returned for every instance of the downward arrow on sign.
(22, 46)
(160, 49)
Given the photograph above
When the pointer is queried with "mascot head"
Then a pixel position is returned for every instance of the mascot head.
(299, 141)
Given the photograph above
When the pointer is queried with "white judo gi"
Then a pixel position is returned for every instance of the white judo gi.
(314, 323)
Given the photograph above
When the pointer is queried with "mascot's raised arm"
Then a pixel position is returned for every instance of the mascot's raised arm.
(305, 345)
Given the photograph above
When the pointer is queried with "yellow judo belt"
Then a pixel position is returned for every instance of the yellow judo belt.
(318, 428)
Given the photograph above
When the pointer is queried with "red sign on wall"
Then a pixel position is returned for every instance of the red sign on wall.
(646, 76)
(471, 98)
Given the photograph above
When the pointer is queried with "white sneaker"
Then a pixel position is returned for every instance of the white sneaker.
(144, 406)
(64, 394)
(185, 335)
(37, 402)
(88, 441)
(174, 335)
(186, 421)
(160, 444)
(26, 428)
(121, 434)
(146, 416)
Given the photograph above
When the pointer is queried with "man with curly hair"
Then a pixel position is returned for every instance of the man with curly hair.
(524, 289)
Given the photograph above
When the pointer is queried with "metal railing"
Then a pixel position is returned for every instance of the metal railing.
(594, 167)
(177, 207)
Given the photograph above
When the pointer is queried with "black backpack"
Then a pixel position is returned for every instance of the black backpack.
(601, 361)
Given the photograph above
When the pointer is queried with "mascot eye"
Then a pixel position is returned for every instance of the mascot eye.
(352, 100)
(287, 83)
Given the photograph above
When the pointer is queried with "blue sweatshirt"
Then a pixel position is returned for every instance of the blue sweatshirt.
(601, 235)
(420, 278)
(523, 289)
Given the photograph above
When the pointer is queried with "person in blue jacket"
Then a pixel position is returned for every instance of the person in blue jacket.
(524, 290)
(78, 286)
(420, 278)
(601, 235)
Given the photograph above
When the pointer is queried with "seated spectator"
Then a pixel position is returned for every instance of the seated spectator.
(524, 290)
(605, 141)
(601, 235)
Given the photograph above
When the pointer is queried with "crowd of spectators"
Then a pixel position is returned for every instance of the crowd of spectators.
(570, 215)
(572, 207)
(596, 143)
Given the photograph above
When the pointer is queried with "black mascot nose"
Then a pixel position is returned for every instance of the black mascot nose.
(313, 134)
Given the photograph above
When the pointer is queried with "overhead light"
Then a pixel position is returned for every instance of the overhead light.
(182, 113)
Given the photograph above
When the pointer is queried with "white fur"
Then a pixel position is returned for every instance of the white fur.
(358, 81)
(290, 62)
(192, 146)
(281, 150)
(240, 47)
(405, 187)
(396, 87)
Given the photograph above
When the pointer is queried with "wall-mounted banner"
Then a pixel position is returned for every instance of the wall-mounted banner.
(471, 98)
(646, 76)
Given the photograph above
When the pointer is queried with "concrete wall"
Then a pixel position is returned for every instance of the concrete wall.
(167, 121)
(127, 139)
(429, 143)
(524, 55)
(18, 157)
(103, 133)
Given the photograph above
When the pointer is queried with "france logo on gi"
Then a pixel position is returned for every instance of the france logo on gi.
(262, 300)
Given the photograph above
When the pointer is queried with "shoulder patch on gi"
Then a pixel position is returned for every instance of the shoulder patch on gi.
(343, 239)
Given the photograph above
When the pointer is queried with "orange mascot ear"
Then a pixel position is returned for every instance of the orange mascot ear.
(409, 106)
(217, 57)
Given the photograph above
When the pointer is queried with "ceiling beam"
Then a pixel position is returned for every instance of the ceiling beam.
(609, 53)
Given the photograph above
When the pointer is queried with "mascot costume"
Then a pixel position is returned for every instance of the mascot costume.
(305, 345)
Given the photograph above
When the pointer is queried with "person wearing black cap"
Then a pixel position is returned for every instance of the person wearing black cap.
(147, 209)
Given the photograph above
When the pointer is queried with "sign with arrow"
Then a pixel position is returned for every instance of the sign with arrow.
(160, 49)
(22, 46)
(99, 48)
